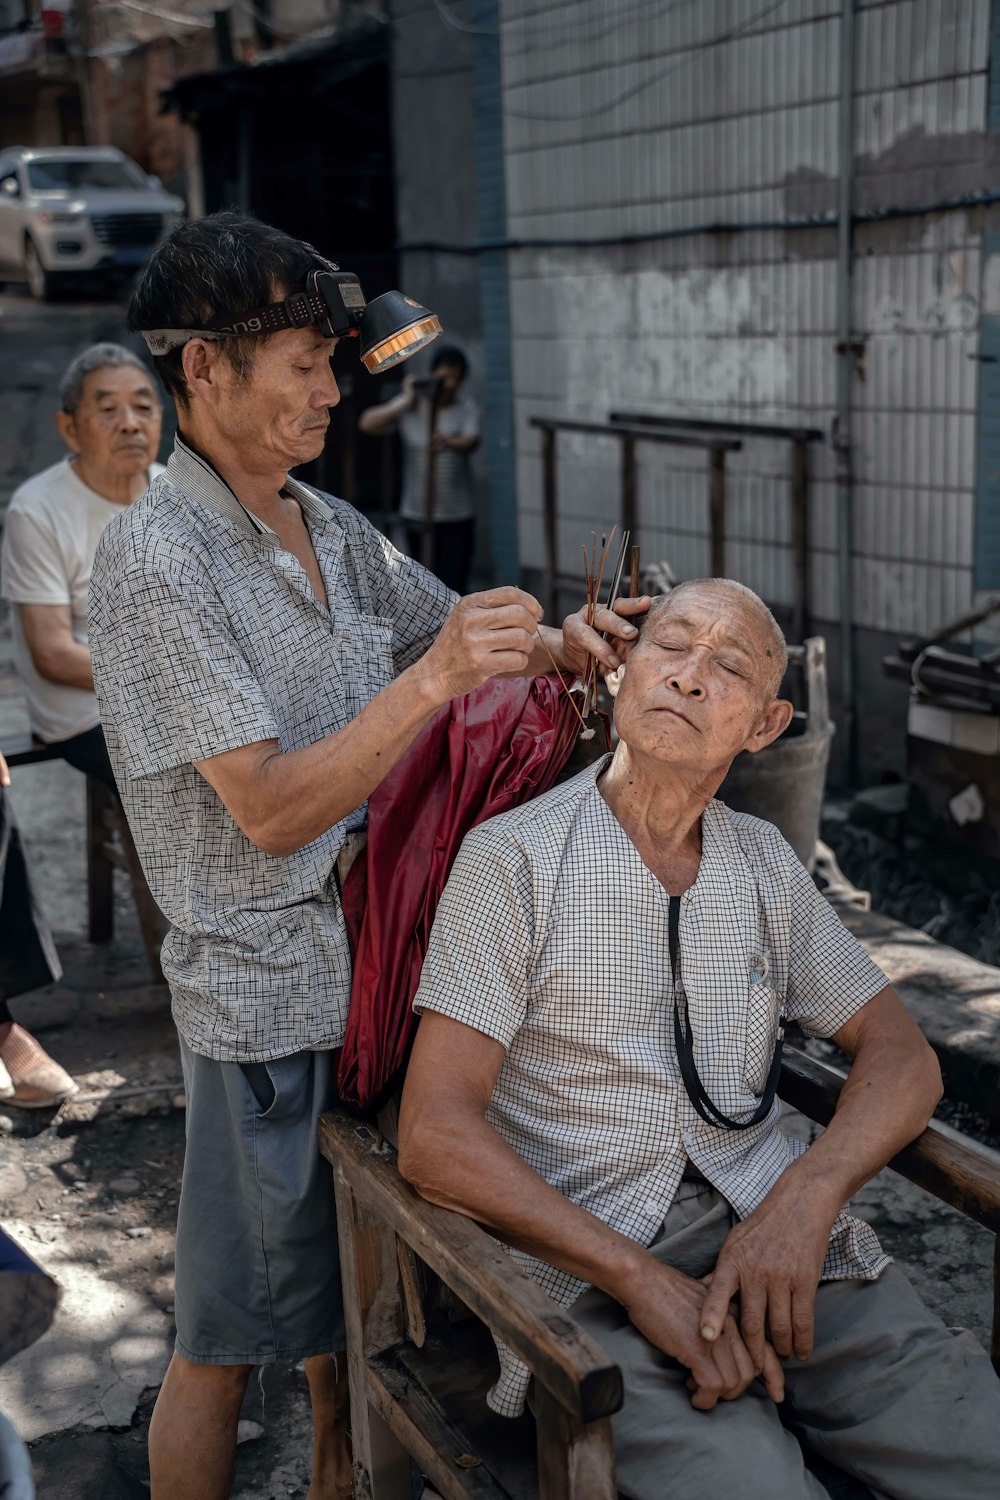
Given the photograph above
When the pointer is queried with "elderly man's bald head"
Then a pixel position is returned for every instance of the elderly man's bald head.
(762, 626)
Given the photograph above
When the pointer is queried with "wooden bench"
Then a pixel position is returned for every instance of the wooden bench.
(109, 847)
(419, 1376)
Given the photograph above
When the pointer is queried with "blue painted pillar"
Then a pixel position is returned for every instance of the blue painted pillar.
(987, 543)
(494, 291)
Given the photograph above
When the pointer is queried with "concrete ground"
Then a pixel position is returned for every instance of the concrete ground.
(92, 1192)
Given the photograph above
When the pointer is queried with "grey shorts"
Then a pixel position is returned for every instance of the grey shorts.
(258, 1268)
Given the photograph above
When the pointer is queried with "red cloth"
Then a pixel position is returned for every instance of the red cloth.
(500, 746)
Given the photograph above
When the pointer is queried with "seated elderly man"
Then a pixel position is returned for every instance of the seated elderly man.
(593, 1077)
(110, 419)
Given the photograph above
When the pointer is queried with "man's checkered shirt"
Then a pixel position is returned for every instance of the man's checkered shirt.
(552, 938)
(205, 636)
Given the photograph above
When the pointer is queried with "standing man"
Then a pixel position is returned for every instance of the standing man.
(263, 657)
(438, 426)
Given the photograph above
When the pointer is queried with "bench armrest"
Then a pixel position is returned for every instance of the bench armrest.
(564, 1358)
(953, 1168)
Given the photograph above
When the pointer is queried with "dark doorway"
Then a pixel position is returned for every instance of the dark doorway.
(303, 141)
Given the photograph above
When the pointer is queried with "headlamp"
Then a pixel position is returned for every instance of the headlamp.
(390, 329)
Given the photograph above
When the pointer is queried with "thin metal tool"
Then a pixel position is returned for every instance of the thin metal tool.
(590, 694)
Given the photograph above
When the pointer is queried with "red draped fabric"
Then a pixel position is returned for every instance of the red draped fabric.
(500, 746)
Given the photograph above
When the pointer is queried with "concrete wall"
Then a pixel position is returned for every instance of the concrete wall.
(653, 125)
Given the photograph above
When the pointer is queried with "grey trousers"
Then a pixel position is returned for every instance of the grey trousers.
(888, 1395)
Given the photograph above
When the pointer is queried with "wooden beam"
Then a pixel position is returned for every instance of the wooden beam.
(478, 1269)
(957, 1171)
(576, 1461)
(444, 1454)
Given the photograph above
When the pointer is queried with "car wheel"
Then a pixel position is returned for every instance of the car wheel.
(40, 282)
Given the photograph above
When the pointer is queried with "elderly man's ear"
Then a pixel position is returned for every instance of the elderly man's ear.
(623, 649)
(773, 722)
(66, 428)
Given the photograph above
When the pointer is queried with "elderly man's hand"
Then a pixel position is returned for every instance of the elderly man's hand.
(485, 635)
(772, 1263)
(582, 641)
(667, 1308)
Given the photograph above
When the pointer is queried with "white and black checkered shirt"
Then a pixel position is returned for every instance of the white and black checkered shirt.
(552, 938)
(205, 636)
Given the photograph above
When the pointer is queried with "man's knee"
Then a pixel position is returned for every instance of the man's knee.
(218, 1381)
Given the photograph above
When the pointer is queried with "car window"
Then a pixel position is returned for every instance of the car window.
(66, 174)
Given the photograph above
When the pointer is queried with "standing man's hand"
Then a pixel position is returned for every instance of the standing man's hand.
(582, 641)
(667, 1308)
(772, 1263)
(484, 636)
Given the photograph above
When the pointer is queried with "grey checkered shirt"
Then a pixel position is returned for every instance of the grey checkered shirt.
(205, 636)
(552, 938)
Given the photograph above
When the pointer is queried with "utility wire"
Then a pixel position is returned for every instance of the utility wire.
(630, 93)
(615, 18)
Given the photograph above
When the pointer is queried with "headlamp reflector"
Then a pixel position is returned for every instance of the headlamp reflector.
(396, 347)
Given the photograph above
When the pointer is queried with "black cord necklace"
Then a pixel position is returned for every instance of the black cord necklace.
(684, 1042)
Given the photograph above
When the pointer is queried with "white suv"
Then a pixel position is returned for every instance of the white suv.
(73, 209)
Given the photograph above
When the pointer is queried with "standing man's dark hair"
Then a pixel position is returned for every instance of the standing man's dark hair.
(214, 271)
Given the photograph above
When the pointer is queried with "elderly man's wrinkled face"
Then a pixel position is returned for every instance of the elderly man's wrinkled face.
(281, 411)
(699, 684)
(115, 428)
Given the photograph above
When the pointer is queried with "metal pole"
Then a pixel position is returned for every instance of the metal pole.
(549, 515)
(845, 360)
(800, 537)
(717, 511)
(628, 484)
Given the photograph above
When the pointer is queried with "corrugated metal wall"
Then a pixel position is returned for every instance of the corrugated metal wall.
(668, 116)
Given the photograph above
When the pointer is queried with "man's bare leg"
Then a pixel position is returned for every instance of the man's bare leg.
(331, 1414)
(192, 1437)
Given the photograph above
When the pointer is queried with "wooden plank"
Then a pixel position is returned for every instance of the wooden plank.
(576, 1461)
(445, 1454)
(957, 1171)
(560, 1353)
(25, 750)
(381, 1464)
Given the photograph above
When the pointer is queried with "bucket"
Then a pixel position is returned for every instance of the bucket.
(784, 784)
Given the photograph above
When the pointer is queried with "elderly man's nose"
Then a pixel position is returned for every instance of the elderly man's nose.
(129, 420)
(685, 681)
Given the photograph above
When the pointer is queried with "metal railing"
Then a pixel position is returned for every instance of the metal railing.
(800, 438)
(716, 445)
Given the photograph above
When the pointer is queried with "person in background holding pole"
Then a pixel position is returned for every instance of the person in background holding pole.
(438, 425)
